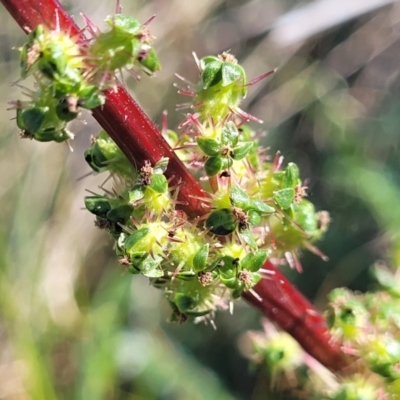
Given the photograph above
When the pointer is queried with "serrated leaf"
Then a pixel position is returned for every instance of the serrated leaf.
(210, 147)
(284, 197)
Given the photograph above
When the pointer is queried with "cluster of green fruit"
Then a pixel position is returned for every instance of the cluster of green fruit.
(71, 75)
(258, 209)
(367, 325)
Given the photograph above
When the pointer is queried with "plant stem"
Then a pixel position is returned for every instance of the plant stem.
(140, 140)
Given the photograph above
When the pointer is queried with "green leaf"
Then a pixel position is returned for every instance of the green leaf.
(213, 165)
(120, 214)
(63, 110)
(159, 183)
(32, 118)
(150, 62)
(53, 62)
(227, 267)
(161, 166)
(221, 222)
(227, 163)
(123, 22)
(291, 176)
(231, 283)
(155, 273)
(254, 218)
(229, 134)
(260, 206)
(248, 238)
(149, 264)
(386, 279)
(135, 237)
(98, 205)
(210, 147)
(200, 258)
(241, 150)
(211, 74)
(231, 73)
(306, 217)
(136, 193)
(184, 302)
(186, 275)
(284, 197)
(254, 261)
(256, 278)
(90, 97)
(239, 198)
(95, 157)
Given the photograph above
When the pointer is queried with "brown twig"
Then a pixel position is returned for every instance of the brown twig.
(140, 140)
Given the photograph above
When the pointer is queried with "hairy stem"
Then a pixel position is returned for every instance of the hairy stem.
(140, 140)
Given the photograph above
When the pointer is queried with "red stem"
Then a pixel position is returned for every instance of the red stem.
(140, 140)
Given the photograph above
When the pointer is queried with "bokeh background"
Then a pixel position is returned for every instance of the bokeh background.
(71, 325)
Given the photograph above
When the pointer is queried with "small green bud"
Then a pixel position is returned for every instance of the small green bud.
(221, 222)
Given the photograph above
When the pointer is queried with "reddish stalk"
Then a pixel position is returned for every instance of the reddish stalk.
(140, 140)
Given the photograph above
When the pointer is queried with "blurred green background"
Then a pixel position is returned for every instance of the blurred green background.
(71, 326)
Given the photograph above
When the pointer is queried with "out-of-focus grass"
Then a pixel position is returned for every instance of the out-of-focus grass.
(71, 326)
